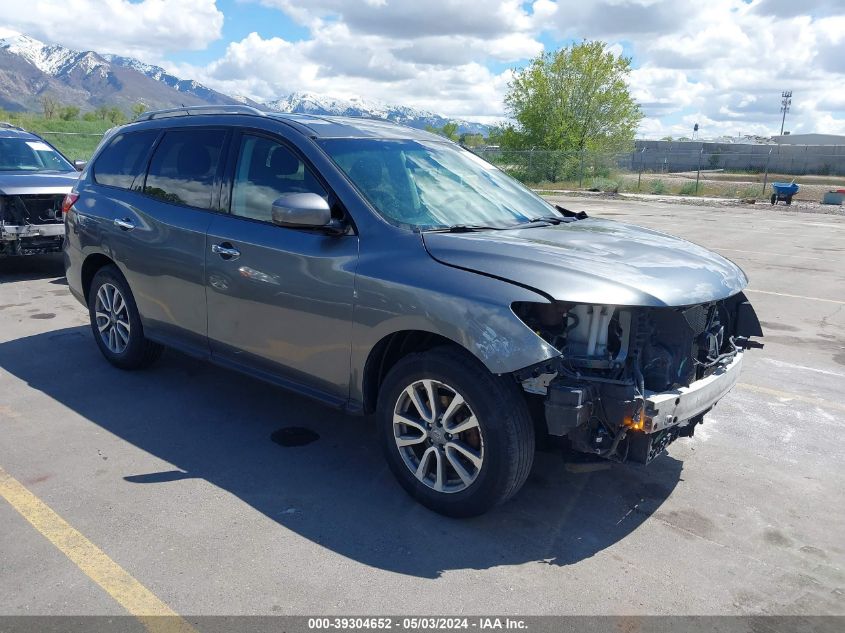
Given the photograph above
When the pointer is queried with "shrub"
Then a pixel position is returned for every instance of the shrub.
(688, 189)
(605, 184)
(658, 187)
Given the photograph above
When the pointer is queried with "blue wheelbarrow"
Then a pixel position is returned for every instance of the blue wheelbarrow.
(783, 191)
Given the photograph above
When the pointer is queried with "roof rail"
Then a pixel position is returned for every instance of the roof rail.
(9, 126)
(197, 110)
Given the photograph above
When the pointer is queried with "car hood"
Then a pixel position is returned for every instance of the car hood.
(22, 184)
(594, 261)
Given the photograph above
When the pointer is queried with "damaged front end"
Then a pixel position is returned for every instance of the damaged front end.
(631, 380)
(31, 224)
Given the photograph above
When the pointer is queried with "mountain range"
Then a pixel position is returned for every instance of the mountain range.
(30, 69)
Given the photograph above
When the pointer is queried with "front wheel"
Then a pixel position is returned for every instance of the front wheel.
(774, 198)
(116, 323)
(459, 439)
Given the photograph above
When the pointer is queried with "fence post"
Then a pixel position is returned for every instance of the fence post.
(766, 175)
(642, 162)
(581, 171)
(698, 173)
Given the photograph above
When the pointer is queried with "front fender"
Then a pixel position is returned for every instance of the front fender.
(469, 309)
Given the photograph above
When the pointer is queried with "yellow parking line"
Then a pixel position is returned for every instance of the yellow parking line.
(94, 563)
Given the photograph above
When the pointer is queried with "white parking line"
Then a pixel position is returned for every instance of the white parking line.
(770, 253)
(783, 294)
(781, 363)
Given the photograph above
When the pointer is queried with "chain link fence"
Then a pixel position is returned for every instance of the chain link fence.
(677, 168)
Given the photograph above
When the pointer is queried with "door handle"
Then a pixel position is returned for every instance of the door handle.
(225, 250)
(125, 224)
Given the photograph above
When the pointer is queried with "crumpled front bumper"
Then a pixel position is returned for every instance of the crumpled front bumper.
(14, 232)
(671, 408)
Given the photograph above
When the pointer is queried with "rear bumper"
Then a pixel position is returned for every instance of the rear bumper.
(672, 408)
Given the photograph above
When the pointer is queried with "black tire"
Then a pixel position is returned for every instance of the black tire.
(774, 198)
(139, 352)
(504, 422)
(788, 200)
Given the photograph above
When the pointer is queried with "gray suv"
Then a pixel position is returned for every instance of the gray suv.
(381, 269)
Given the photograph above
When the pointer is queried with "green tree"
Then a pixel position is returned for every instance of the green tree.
(471, 140)
(576, 98)
(90, 116)
(116, 116)
(102, 112)
(138, 109)
(450, 131)
(68, 113)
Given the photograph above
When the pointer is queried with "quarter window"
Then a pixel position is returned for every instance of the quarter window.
(183, 167)
(123, 160)
(267, 169)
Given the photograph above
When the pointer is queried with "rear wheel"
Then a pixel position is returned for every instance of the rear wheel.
(774, 198)
(788, 199)
(116, 323)
(458, 439)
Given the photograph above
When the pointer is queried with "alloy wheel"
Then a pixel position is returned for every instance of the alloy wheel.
(112, 316)
(438, 436)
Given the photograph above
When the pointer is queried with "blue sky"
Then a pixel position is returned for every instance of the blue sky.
(721, 63)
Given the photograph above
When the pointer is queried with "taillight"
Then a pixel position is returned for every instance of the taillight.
(69, 201)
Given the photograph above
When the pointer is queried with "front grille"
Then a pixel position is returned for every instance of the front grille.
(697, 318)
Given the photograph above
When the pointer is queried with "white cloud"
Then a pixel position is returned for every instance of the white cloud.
(722, 63)
(147, 29)
(430, 55)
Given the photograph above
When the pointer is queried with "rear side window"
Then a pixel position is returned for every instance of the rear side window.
(183, 167)
(123, 159)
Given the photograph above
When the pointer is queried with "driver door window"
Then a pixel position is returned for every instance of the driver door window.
(265, 170)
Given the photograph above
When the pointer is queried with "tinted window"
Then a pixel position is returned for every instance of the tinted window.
(183, 167)
(123, 159)
(266, 169)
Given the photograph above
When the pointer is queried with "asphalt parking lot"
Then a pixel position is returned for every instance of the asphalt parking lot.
(172, 474)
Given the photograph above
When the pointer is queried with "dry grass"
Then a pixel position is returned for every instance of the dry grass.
(711, 185)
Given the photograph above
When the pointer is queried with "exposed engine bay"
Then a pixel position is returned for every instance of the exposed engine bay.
(630, 380)
(31, 224)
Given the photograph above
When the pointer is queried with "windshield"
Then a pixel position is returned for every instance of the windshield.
(30, 154)
(432, 184)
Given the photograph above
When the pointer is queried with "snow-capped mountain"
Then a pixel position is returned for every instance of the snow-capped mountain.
(310, 103)
(30, 68)
(54, 60)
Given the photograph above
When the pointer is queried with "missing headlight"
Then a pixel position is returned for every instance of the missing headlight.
(594, 336)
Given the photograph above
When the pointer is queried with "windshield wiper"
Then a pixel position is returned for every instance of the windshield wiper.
(469, 228)
(580, 215)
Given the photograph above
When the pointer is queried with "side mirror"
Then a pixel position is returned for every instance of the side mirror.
(79, 165)
(305, 210)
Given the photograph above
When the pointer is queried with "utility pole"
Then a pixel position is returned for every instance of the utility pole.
(785, 102)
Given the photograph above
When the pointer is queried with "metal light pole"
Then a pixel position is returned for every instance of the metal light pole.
(785, 102)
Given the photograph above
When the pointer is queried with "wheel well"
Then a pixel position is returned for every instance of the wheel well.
(388, 351)
(90, 266)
